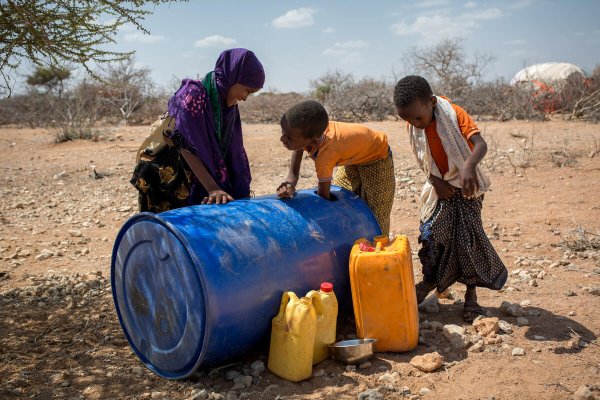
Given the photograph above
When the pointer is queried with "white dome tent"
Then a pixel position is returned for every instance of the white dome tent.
(550, 72)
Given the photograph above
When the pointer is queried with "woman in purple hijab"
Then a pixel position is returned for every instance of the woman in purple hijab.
(210, 166)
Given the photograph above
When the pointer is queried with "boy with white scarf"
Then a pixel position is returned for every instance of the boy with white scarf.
(448, 147)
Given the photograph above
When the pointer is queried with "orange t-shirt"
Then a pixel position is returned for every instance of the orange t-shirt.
(467, 127)
(346, 144)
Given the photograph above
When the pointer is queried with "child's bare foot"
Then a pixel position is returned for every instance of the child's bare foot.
(423, 288)
(471, 309)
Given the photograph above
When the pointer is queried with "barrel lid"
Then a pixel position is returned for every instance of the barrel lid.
(158, 296)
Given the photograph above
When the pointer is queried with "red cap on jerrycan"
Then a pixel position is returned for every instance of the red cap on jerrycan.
(326, 287)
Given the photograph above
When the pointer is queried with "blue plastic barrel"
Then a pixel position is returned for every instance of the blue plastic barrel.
(199, 285)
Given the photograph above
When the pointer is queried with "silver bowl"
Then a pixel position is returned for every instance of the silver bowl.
(353, 351)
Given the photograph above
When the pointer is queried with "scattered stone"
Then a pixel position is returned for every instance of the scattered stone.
(570, 293)
(525, 303)
(539, 337)
(594, 290)
(199, 394)
(505, 326)
(424, 391)
(522, 321)
(44, 255)
(477, 347)
(456, 336)
(583, 393)
(75, 233)
(257, 367)
(370, 394)
(365, 365)
(427, 362)
(351, 368)
(231, 374)
(245, 380)
(271, 388)
(514, 310)
(319, 372)
(572, 313)
(518, 351)
(430, 305)
(486, 326)
(534, 313)
(389, 377)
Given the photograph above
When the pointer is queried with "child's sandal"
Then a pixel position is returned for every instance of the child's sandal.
(471, 311)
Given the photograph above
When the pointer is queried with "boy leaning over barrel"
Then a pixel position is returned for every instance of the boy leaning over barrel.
(362, 157)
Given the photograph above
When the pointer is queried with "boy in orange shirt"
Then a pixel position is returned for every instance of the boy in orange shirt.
(362, 157)
(448, 148)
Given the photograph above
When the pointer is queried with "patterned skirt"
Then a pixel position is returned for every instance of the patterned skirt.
(375, 183)
(455, 247)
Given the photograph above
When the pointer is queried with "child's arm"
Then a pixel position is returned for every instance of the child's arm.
(468, 178)
(288, 188)
(324, 189)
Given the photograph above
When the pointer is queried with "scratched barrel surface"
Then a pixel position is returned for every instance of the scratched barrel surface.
(199, 285)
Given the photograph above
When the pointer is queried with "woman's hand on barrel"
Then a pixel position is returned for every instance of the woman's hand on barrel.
(217, 197)
(286, 189)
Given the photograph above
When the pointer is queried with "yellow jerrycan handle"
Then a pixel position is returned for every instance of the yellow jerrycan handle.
(315, 297)
(285, 299)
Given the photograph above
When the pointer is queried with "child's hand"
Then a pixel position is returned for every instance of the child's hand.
(286, 189)
(217, 197)
(468, 180)
(443, 189)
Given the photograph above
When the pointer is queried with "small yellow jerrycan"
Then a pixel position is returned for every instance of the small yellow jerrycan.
(326, 306)
(293, 338)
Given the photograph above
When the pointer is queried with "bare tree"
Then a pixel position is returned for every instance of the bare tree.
(127, 87)
(446, 66)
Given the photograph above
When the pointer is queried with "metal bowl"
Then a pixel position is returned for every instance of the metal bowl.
(353, 351)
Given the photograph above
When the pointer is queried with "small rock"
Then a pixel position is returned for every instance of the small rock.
(157, 395)
(389, 377)
(583, 393)
(505, 326)
(572, 313)
(514, 310)
(271, 388)
(518, 351)
(244, 380)
(201, 394)
(231, 374)
(594, 290)
(370, 394)
(486, 326)
(44, 255)
(456, 336)
(539, 337)
(257, 367)
(427, 362)
(477, 347)
(522, 321)
(365, 365)
(430, 305)
(570, 293)
(424, 391)
(319, 372)
(350, 368)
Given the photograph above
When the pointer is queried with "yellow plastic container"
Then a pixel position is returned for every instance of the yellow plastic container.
(326, 306)
(383, 293)
(293, 338)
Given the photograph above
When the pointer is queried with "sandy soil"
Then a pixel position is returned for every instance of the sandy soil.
(60, 338)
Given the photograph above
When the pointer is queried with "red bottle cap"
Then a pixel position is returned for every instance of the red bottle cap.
(366, 247)
(326, 287)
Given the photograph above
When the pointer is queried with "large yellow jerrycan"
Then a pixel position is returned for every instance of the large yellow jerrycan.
(293, 338)
(326, 306)
(383, 293)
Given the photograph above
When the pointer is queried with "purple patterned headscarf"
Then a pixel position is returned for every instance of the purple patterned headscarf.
(195, 125)
(238, 66)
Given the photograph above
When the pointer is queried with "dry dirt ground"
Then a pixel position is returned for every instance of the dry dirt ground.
(60, 338)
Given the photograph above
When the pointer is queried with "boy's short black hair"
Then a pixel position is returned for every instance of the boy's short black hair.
(411, 88)
(309, 116)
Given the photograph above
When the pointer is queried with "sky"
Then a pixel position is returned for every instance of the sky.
(301, 40)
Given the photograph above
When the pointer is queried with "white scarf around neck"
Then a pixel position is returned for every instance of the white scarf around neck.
(457, 150)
